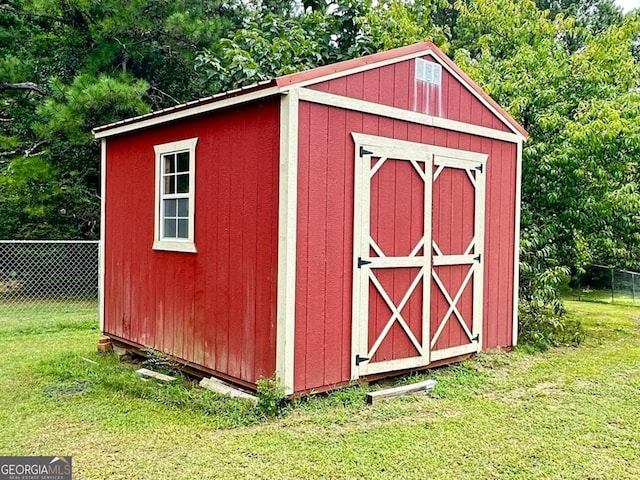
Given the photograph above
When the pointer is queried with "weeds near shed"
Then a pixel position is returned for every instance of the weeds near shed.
(271, 396)
(68, 374)
(160, 362)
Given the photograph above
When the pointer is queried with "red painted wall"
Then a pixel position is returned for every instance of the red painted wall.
(325, 227)
(374, 85)
(215, 308)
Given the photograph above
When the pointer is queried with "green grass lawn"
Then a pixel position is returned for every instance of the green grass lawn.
(603, 296)
(567, 413)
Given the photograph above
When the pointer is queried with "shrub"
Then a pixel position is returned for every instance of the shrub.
(271, 396)
(543, 322)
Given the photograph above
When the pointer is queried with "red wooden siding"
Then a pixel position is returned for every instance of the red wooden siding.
(325, 229)
(393, 85)
(215, 308)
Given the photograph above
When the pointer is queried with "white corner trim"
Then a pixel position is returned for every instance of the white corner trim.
(364, 106)
(516, 247)
(101, 249)
(187, 112)
(287, 225)
(175, 245)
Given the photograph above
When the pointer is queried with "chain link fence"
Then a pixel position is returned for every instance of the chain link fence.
(57, 280)
(604, 283)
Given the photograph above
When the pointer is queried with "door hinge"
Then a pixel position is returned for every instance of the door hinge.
(364, 152)
(479, 168)
(362, 262)
(360, 359)
(478, 258)
(476, 338)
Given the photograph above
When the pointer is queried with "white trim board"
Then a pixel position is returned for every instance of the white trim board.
(516, 246)
(358, 69)
(170, 244)
(287, 224)
(364, 106)
(103, 204)
(187, 112)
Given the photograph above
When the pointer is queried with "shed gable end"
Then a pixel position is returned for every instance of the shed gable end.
(409, 86)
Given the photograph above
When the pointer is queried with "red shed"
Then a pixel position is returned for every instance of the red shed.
(354, 220)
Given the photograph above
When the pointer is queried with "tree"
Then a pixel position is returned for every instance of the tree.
(278, 41)
(580, 176)
(70, 65)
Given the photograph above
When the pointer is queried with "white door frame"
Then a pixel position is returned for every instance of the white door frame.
(367, 146)
(474, 165)
(417, 153)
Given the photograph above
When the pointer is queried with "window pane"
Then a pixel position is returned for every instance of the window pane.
(183, 183)
(170, 184)
(183, 207)
(183, 162)
(169, 163)
(169, 228)
(170, 208)
(183, 228)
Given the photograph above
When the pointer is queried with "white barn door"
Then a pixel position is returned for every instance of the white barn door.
(457, 244)
(396, 266)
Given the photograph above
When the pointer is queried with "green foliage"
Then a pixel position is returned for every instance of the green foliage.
(87, 64)
(392, 24)
(574, 90)
(267, 46)
(271, 396)
(276, 41)
(71, 111)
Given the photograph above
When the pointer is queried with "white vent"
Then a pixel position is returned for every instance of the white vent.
(429, 72)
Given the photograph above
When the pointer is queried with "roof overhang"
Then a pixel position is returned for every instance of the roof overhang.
(215, 102)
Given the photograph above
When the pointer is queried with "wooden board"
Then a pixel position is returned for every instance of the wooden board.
(395, 392)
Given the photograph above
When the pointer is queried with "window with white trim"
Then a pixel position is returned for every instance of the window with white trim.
(175, 195)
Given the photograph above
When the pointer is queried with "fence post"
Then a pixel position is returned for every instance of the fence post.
(633, 287)
(612, 286)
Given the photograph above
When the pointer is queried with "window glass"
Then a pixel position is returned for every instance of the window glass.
(170, 208)
(175, 214)
(183, 227)
(183, 162)
(170, 228)
(183, 207)
(169, 164)
(183, 183)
